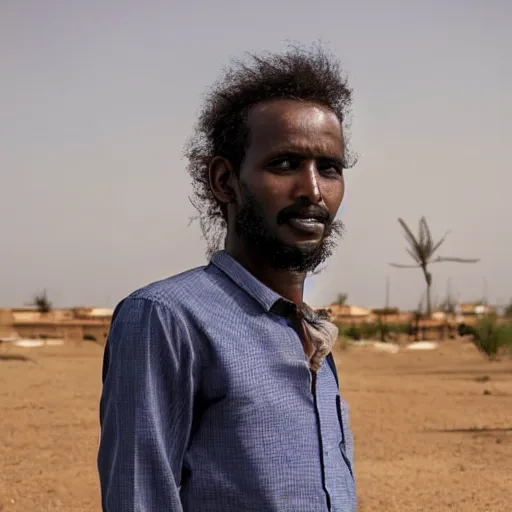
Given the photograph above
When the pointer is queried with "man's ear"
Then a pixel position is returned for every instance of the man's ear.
(223, 180)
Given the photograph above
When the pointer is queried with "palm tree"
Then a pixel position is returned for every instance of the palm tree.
(422, 250)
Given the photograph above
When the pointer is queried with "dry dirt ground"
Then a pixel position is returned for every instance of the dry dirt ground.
(431, 435)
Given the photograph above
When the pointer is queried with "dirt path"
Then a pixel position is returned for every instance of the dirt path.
(427, 437)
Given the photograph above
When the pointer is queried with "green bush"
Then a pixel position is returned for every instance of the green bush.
(369, 331)
(372, 331)
(490, 337)
(508, 310)
(352, 332)
(399, 328)
(506, 336)
(466, 330)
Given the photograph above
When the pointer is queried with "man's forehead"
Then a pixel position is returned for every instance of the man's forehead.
(308, 147)
(291, 112)
(293, 126)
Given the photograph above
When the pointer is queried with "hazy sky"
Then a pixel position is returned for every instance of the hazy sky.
(98, 97)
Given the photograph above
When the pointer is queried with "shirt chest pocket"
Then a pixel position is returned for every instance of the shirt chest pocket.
(346, 443)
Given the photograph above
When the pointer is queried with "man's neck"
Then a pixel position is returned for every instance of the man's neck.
(286, 283)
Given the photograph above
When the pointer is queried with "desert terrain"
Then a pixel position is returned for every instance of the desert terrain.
(433, 429)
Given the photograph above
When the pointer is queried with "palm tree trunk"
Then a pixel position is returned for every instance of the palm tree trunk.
(428, 280)
(429, 303)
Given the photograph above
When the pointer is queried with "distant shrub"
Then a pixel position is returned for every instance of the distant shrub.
(369, 331)
(399, 328)
(386, 311)
(341, 299)
(383, 330)
(466, 330)
(506, 337)
(372, 331)
(41, 302)
(490, 337)
(353, 333)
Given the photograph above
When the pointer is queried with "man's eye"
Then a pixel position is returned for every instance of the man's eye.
(285, 164)
(329, 168)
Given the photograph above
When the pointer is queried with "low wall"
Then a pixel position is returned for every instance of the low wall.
(70, 331)
(6, 323)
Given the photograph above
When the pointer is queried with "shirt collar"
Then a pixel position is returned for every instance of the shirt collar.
(267, 298)
(245, 280)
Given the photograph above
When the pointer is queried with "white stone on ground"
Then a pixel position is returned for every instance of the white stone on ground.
(422, 345)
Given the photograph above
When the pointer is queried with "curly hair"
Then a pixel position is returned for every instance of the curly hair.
(310, 75)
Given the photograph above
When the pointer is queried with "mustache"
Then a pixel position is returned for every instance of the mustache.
(311, 211)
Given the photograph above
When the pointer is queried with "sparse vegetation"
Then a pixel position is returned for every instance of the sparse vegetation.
(42, 302)
(373, 331)
(448, 305)
(386, 311)
(353, 332)
(422, 249)
(508, 310)
(490, 337)
(466, 330)
(341, 299)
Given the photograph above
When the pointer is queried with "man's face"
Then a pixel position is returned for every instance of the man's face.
(291, 184)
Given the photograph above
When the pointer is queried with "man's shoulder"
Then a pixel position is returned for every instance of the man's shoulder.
(195, 288)
(175, 289)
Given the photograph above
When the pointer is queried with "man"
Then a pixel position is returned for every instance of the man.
(220, 393)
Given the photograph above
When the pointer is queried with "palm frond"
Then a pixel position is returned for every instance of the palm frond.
(398, 265)
(442, 259)
(438, 244)
(414, 256)
(421, 233)
(409, 236)
(427, 237)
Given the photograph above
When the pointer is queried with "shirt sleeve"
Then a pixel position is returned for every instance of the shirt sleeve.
(145, 410)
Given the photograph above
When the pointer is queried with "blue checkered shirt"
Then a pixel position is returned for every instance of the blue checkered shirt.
(208, 404)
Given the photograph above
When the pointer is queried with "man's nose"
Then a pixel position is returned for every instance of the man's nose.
(307, 182)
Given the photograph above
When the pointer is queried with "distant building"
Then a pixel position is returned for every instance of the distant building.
(69, 324)
(474, 309)
(352, 311)
(92, 313)
(439, 316)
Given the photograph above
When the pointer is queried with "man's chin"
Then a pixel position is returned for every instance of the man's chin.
(304, 244)
(298, 257)
(306, 247)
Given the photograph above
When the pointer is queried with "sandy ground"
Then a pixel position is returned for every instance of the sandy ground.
(430, 434)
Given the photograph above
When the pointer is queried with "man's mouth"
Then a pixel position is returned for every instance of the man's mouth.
(307, 225)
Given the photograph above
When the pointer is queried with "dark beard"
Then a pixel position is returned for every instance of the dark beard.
(251, 227)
